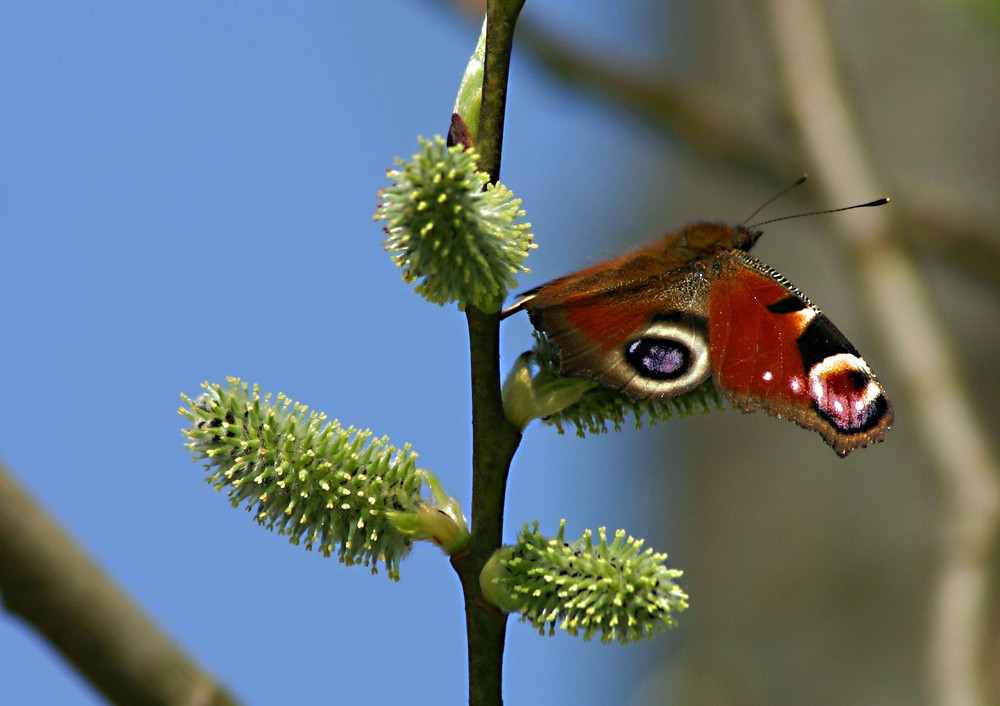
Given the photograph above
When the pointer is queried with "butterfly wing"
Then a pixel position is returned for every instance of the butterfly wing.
(642, 331)
(771, 349)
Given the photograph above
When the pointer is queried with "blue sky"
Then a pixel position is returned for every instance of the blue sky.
(187, 193)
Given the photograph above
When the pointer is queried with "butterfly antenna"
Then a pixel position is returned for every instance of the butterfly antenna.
(876, 202)
(798, 182)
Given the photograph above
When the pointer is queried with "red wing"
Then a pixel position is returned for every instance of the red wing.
(641, 337)
(771, 349)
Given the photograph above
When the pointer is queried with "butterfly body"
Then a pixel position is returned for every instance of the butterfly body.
(659, 321)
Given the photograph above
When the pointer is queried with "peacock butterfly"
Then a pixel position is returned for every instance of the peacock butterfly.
(659, 321)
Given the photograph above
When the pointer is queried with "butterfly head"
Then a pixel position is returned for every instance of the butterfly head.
(705, 239)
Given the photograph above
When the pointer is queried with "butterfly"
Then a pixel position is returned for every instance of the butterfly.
(659, 321)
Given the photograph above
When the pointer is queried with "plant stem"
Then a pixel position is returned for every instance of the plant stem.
(493, 447)
(494, 440)
(501, 16)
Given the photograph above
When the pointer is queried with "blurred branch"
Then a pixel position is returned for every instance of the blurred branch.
(966, 242)
(953, 436)
(700, 118)
(51, 583)
(709, 123)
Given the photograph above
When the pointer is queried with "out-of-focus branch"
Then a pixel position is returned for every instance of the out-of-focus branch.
(952, 236)
(700, 118)
(955, 439)
(709, 123)
(51, 583)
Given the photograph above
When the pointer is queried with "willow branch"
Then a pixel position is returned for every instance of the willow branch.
(494, 440)
(50, 582)
(951, 433)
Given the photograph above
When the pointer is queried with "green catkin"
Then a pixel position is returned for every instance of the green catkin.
(323, 486)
